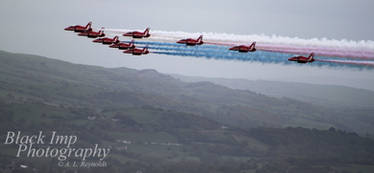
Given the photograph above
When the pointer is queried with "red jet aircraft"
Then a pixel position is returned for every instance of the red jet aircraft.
(79, 28)
(123, 45)
(244, 48)
(136, 51)
(303, 59)
(137, 34)
(107, 40)
(192, 42)
(93, 34)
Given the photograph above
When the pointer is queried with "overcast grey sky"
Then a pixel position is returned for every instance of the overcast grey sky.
(37, 27)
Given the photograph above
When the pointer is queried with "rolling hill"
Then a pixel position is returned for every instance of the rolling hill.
(156, 123)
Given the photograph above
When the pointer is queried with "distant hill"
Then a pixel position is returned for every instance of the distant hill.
(63, 83)
(350, 104)
(156, 123)
(326, 95)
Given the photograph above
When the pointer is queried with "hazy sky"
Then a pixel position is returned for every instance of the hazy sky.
(37, 27)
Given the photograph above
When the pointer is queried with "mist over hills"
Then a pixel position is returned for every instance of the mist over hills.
(178, 126)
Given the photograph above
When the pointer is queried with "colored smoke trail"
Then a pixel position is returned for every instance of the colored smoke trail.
(271, 53)
(321, 47)
(167, 46)
(258, 56)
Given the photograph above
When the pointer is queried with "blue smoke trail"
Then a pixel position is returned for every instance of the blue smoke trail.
(272, 59)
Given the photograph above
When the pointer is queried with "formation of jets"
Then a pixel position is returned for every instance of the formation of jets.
(114, 42)
(130, 47)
